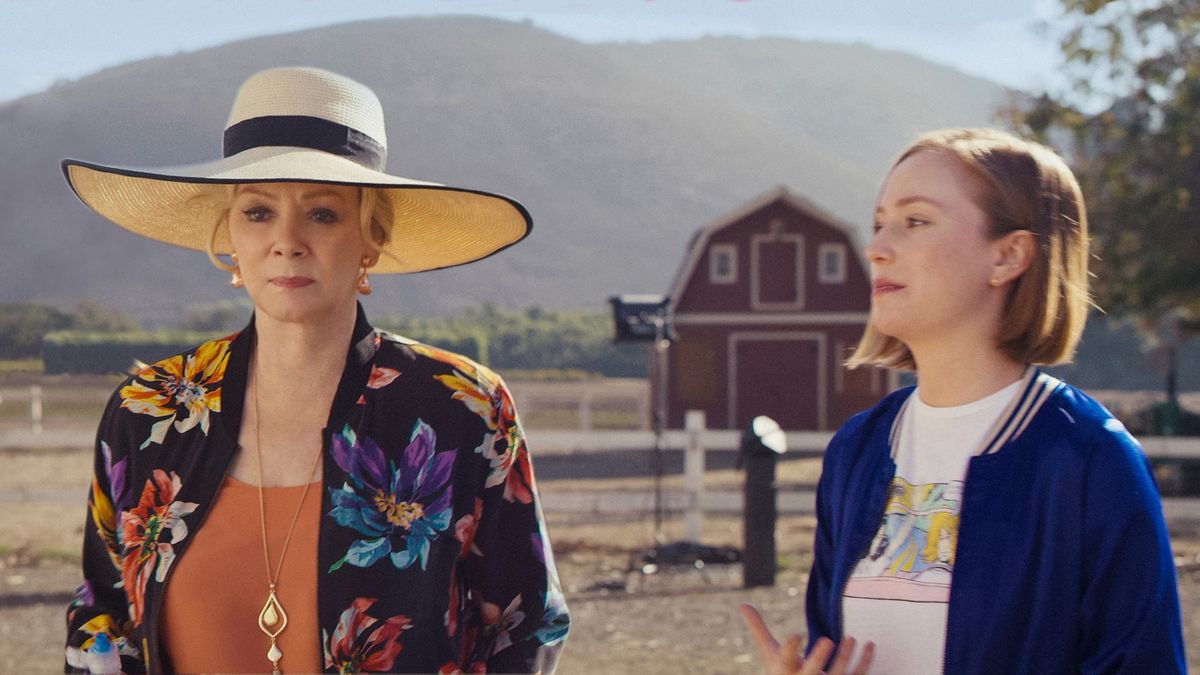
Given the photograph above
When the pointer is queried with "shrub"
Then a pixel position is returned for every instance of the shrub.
(107, 352)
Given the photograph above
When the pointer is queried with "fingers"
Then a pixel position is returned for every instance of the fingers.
(842, 661)
(817, 657)
(767, 644)
(864, 663)
(841, 664)
(785, 658)
(789, 654)
(777, 659)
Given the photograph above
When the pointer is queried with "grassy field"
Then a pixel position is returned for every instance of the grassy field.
(20, 365)
(550, 400)
(572, 403)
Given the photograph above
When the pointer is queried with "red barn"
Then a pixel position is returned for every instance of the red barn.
(768, 303)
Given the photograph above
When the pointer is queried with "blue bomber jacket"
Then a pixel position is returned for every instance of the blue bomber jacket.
(467, 583)
(1063, 563)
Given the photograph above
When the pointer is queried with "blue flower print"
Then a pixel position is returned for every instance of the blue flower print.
(401, 509)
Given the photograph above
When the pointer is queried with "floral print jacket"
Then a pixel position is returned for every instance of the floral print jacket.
(432, 553)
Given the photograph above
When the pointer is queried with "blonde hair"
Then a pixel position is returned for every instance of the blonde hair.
(1022, 186)
(940, 522)
(374, 217)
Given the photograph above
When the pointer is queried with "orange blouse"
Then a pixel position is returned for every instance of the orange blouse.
(214, 595)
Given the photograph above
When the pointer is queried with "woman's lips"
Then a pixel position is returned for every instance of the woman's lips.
(883, 286)
(291, 282)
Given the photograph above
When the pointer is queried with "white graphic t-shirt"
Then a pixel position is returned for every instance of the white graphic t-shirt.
(899, 592)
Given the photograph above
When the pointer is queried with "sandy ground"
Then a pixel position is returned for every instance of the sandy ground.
(624, 621)
(676, 621)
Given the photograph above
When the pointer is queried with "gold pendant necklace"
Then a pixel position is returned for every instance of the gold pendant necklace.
(272, 619)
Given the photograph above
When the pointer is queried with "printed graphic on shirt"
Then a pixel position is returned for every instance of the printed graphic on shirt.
(912, 555)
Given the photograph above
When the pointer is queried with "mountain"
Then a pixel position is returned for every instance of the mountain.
(620, 151)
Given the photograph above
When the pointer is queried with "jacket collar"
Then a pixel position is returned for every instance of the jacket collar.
(363, 345)
(359, 357)
(1036, 386)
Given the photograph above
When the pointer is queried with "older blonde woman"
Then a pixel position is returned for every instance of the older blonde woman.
(311, 493)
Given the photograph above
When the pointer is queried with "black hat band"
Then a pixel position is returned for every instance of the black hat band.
(303, 131)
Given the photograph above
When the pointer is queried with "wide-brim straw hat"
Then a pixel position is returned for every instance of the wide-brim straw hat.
(304, 125)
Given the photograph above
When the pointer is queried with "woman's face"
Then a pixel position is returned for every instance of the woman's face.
(930, 255)
(298, 247)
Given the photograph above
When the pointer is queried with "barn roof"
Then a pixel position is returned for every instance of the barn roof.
(699, 240)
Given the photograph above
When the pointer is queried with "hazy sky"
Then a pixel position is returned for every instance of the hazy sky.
(42, 41)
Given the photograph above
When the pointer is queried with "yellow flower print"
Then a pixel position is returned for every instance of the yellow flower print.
(483, 393)
(477, 399)
(466, 368)
(103, 649)
(182, 389)
(105, 519)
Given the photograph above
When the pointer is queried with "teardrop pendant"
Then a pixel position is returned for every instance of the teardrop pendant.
(272, 619)
(273, 654)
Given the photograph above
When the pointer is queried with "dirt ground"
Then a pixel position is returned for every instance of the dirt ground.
(623, 621)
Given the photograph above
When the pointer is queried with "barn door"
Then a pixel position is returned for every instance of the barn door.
(780, 375)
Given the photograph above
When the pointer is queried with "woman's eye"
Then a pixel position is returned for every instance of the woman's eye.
(876, 227)
(323, 215)
(914, 221)
(256, 214)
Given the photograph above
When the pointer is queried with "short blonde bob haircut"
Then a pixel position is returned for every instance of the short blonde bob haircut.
(374, 210)
(1022, 186)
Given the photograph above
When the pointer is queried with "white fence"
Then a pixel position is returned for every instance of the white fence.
(695, 440)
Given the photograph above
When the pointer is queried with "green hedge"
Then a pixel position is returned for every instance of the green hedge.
(534, 339)
(67, 351)
(70, 351)
(471, 345)
(22, 327)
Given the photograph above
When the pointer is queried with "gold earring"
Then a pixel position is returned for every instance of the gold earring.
(994, 282)
(235, 274)
(363, 284)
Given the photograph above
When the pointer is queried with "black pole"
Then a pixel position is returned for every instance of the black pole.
(1172, 375)
(760, 513)
(660, 423)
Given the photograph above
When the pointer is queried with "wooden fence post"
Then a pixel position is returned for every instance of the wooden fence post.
(35, 408)
(693, 475)
(585, 411)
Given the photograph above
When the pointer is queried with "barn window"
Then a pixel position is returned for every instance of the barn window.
(722, 264)
(831, 263)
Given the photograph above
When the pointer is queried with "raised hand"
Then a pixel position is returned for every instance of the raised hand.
(785, 659)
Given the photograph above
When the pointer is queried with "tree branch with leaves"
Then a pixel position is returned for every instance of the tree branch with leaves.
(1129, 122)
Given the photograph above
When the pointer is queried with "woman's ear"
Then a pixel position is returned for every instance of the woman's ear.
(1014, 255)
(371, 249)
(369, 256)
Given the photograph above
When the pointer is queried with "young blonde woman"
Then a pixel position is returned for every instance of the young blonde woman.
(311, 494)
(1049, 551)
